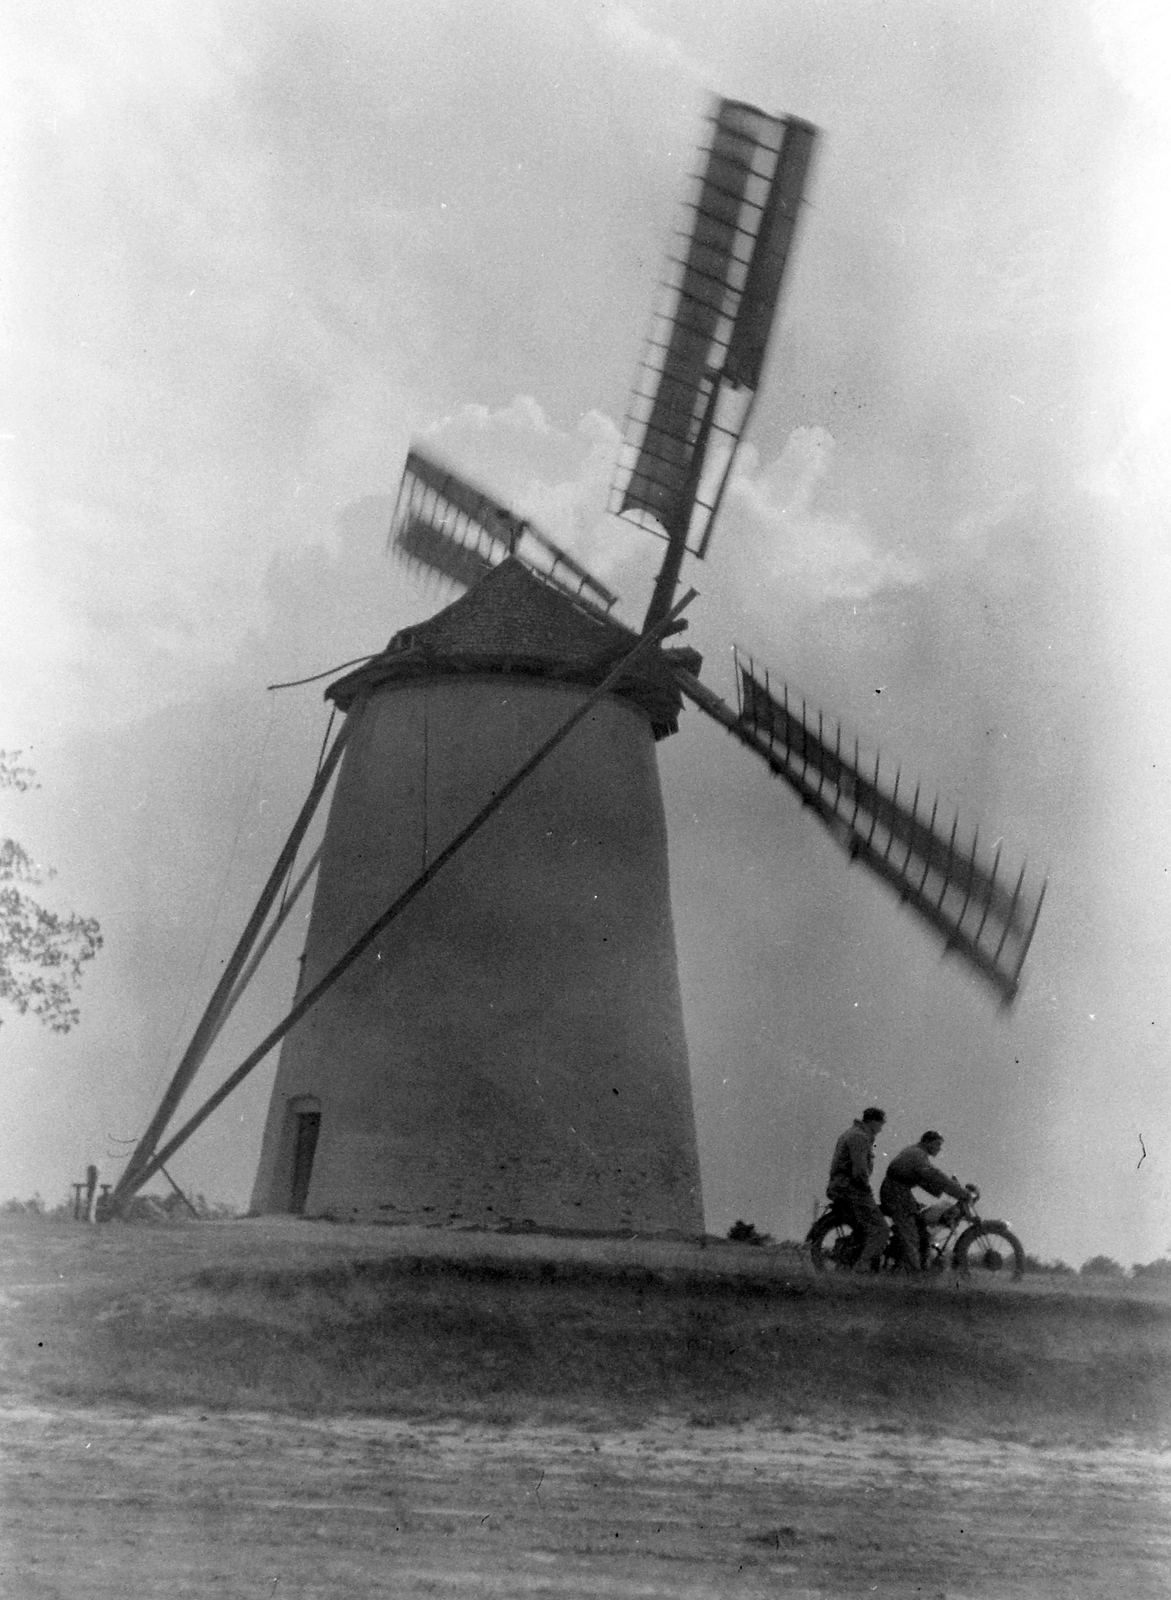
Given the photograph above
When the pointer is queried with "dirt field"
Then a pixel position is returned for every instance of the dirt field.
(297, 1410)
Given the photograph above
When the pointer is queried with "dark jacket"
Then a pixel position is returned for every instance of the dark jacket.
(853, 1162)
(913, 1168)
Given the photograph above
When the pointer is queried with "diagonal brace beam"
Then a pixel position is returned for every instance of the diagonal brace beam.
(209, 1024)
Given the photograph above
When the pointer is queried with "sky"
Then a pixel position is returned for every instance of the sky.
(253, 250)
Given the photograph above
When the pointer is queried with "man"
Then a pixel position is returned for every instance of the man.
(849, 1185)
(914, 1168)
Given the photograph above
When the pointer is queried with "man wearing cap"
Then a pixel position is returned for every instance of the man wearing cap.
(914, 1168)
(849, 1184)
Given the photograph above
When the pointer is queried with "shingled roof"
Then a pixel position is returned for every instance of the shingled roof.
(512, 622)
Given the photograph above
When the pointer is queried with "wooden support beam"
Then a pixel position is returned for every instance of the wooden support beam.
(265, 944)
(212, 1018)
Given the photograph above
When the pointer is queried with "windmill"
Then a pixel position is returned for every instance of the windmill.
(488, 1028)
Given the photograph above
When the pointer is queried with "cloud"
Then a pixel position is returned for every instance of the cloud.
(972, 530)
(620, 27)
(558, 477)
(1134, 38)
(522, 413)
(830, 557)
(561, 479)
(38, 638)
(214, 349)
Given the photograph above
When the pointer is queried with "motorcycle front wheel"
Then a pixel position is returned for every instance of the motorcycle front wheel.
(833, 1246)
(988, 1251)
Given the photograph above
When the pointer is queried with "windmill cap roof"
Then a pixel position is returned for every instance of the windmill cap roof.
(513, 622)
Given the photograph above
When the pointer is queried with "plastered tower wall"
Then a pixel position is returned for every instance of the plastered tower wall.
(512, 1051)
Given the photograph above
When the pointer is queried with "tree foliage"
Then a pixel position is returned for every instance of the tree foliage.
(1152, 1269)
(1101, 1267)
(42, 953)
(1057, 1269)
(747, 1233)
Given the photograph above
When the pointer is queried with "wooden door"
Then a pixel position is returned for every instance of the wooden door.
(304, 1149)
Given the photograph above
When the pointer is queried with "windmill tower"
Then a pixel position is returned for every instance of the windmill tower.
(513, 1054)
(488, 1028)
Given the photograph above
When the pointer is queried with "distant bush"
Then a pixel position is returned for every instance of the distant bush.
(1056, 1269)
(210, 1210)
(1101, 1267)
(1153, 1269)
(746, 1233)
(37, 1209)
(174, 1208)
(154, 1207)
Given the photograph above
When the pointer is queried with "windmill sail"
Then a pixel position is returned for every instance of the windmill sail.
(714, 338)
(683, 374)
(447, 526)
(987, 919)
(762, 288)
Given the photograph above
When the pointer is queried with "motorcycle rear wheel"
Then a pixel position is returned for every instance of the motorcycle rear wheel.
(833, 1245)
(989, 1250)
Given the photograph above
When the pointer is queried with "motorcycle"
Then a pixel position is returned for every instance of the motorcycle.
(977, 1249)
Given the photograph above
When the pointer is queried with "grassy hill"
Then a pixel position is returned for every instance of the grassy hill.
(302, 1317)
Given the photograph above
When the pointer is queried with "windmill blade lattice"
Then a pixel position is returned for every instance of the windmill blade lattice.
(986, 919)
(706, 353)
(447, 526)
